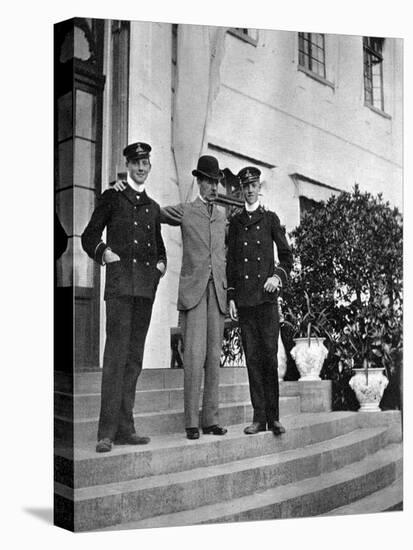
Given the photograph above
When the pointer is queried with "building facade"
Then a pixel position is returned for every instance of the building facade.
(317, 113)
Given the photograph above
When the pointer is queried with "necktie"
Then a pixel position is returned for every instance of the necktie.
(210, 206)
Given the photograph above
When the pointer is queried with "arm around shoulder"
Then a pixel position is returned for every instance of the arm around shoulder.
(172, 215)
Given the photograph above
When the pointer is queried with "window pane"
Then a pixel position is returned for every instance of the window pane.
(85, 114)
(318, 54)
(65, 164)
(64, 116)
(84, 163)
(318, 68)
(318, 40)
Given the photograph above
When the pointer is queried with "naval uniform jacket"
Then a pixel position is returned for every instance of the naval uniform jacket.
(203, 251)
(250, 258)
(134, 234)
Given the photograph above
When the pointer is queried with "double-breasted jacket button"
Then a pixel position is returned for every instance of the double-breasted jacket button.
(149, 226)
(146, 210)
(246, 229)
(246, 276)
(147, 263)
(258, 242)
(135, 223)
(258, 226)
(134, 260)
(259, 276)
(245, 243)
(149, 244)
(245, 259)
(259, 259)
(135, 241)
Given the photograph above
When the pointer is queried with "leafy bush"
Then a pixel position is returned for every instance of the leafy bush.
(348, 264)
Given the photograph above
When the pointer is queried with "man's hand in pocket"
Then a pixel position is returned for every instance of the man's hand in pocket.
(110, 257)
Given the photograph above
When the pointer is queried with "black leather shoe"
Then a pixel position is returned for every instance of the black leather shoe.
(277, 428)
(255, 427)
(104, 445)
(214, 430)
(132, 439)
(192, 433)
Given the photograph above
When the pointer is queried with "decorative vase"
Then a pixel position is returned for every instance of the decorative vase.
(281, 359)
(309, 358)
(369, 387)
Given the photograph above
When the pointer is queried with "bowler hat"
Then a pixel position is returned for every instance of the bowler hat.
(137, 150)
(207, 167)
(249, 174)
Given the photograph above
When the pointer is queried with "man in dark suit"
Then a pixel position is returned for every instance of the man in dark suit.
(253, 285)
(135, 259)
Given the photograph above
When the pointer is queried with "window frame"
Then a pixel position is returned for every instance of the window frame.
(369, 51)
(308, 55)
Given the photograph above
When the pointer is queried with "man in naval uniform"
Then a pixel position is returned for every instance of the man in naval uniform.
(135, 259)
(253, 285)
(201, 296)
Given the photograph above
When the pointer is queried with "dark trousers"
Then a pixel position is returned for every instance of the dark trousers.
(127, 323)
(259, 332)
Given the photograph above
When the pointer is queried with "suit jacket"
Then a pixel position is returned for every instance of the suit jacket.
(134, 233)
(203, 241)
(250, 259)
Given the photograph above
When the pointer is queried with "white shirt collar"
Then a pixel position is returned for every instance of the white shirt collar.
(138, 188)
(252, 207)
(202, 199)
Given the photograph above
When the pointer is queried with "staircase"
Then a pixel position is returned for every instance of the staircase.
(327, 463)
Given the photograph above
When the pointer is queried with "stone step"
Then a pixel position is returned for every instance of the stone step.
(307, 497)
(85, 405)
(173, 453)
(388, 499)
(164, 421)
(149, 379)
(143, 498)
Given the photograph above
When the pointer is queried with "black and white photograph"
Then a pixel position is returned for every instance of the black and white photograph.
(227, 317)
(232, 204)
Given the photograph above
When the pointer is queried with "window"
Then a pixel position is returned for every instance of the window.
(373, 71)
(311, 53)
(248, 35)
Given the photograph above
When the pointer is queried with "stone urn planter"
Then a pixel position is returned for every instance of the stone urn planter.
(309, 356)
(369, 385)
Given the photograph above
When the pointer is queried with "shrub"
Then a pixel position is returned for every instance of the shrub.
(348, 262)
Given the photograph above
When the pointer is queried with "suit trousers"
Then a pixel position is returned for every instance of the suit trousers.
(127, 323)
(202, 331)
(259, 333)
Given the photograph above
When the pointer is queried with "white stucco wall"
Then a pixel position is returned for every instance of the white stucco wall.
(268, 110)
(150, 121)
